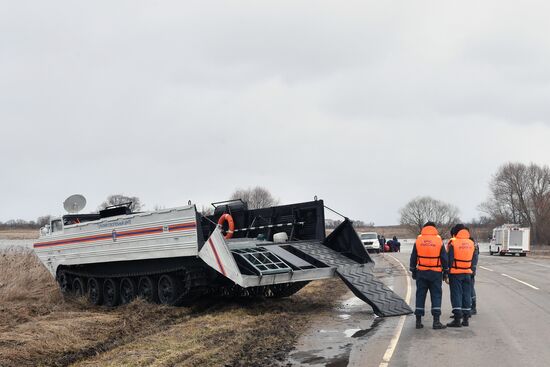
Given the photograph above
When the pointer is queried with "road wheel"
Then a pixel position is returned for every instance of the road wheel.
(78, 287)
(63, 281)
(502, 254)
(128, 290)
(147, 289)
(95, 293)
(523, 254)
(168, 289)
(111, 292)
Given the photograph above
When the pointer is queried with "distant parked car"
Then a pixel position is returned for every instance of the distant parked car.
(370, 241)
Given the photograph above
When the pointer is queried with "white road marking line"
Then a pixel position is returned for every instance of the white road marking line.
(484, 268)
(520, 281)
(393, 343)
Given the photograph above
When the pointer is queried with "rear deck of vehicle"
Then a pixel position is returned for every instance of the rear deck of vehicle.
(252, 258)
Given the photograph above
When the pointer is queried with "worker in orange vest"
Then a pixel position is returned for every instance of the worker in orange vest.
(428, 263)
(462, 264)
(454, 232)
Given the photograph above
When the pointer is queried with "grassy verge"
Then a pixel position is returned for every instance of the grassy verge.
(18, 234)
(39, 327)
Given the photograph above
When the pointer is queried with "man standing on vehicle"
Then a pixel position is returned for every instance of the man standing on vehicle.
(428, 264)
(462, 263)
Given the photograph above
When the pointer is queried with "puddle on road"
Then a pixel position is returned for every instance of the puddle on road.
(360, 333)
(341, 339)
(331, 342)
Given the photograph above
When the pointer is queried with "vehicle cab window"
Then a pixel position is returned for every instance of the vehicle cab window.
(56, 226)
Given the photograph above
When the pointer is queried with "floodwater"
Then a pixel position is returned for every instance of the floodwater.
(16, 243)
(407, 245)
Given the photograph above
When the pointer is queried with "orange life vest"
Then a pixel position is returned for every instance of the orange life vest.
(428, 250)
(463, 251)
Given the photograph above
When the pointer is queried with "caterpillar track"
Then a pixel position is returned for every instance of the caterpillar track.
(176, 285)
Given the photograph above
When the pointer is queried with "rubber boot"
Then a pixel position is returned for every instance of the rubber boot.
(437, 324)
(465, 321)
(455, 322)
(474, 308)
(419, 322)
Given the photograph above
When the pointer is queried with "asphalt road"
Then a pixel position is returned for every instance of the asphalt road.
(512, 327)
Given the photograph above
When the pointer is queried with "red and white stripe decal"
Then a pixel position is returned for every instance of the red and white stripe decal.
(218, 260)
(109, 236)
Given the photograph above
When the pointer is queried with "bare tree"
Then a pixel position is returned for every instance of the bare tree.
(206, 210)
(118, 199)
(256, 197)
(520, 194)
(332, 223)
(424, 209)
(43, 220)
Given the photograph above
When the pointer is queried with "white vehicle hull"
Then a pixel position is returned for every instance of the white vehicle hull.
(162, 234)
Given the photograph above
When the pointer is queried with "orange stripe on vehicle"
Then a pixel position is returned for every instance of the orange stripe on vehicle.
(216, 256)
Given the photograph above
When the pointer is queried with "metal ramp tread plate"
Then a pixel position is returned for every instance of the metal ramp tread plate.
(360, 280)
(260, 261)
(365, 286)
(324, 254)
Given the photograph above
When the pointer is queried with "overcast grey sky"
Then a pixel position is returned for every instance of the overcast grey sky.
(366, 104)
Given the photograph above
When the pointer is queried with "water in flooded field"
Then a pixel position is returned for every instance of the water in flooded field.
(15, 243)
(407, 244)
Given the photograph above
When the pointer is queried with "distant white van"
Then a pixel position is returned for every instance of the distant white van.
(370, 241)
(510, 239)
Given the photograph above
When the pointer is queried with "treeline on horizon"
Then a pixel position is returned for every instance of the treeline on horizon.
(518, 194)
(25, 224)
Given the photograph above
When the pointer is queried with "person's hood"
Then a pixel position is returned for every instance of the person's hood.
(429, 231)
(463, 234)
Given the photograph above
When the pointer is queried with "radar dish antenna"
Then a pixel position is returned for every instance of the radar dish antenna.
(74, 203)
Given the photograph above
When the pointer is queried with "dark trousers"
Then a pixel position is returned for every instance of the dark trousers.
(461, 294)
(473, 289)
(428, 280)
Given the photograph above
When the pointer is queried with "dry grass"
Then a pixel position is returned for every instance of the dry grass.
(24, 278)
(230, 334)
(390, 231)
(39, 327)
(27, 289)
(18, 234)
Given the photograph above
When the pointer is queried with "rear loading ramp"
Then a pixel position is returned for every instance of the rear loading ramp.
(359, 278)
(340, 254)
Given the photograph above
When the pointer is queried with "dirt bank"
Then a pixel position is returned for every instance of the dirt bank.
(39, 327)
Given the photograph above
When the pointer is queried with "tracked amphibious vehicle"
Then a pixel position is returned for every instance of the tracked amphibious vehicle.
(176, 255)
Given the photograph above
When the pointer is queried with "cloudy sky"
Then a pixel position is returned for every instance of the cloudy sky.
(366, 104)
